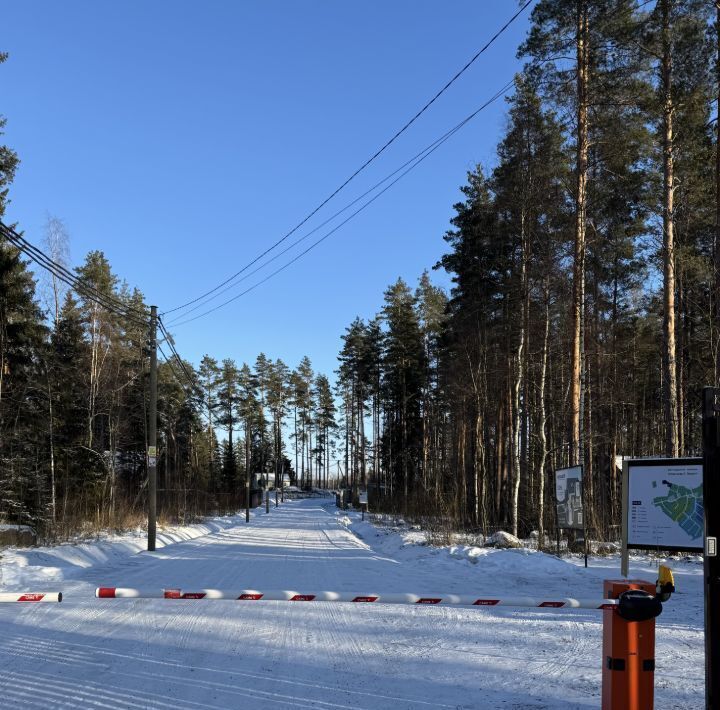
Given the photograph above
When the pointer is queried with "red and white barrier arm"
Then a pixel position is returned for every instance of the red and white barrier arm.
(291, 596)
(30, 596)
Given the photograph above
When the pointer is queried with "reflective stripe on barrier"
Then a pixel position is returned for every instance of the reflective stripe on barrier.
(292, 596)
(30, 596)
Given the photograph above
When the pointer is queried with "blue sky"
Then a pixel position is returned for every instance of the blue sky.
(183, 138)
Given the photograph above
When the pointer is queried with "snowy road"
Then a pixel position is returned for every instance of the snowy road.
(92, 653)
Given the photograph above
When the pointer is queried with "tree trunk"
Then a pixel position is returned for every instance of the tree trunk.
(478, 469)
(404, 441)
(543, 422)
(52, 453)
(361, 434)
(296, 442)
(669, 348)
(579, 239)
(519, 371)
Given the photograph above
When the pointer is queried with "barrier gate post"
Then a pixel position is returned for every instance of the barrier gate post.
(711, 501)
(628, 672)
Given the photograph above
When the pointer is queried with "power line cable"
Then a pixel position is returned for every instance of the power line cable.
(60, 272)
(58, 268)
(427, 149)
(48, 265)
(180, 320)
(437, 144)
(381, 150)
(87, 291)
(171, 345)
(168, 362)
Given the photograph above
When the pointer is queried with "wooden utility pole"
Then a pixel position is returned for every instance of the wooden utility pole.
(152, 434)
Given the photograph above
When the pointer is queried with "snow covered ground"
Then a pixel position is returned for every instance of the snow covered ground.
(165, 654)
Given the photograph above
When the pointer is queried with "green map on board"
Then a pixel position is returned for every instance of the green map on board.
(684, 506)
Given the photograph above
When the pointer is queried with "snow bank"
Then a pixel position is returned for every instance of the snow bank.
(21, 568)
(520, 568)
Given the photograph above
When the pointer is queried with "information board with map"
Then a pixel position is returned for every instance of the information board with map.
(568, 498)
(664, 504)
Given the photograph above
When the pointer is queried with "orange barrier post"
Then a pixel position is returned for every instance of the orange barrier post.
(628, 674)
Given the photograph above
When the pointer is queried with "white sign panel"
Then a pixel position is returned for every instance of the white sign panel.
(363, 498)
(665, 504)
(568, 498)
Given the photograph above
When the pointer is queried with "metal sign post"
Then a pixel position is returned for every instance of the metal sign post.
(711, 504)
(624, 554)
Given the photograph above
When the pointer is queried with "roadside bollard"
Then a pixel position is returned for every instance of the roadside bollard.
(628, 672)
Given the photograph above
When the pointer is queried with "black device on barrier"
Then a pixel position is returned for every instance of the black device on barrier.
(711, 506)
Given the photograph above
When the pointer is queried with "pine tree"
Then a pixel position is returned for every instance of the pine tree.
(431, 307)
(278, 395)
(248, 414)
(354, 375)
(262, 374)
(208, 378)
(598, 32)
(403, 376)
(229, 397)
(676, 36)
(102, 332)
(302, 398)
(527, 172)
(326, 425)
(471, 316)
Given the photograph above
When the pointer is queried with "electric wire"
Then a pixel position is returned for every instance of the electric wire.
(62, 274)
(48, 265)
(67, 277)
(427, 149)
(370, 160)
(436, 145)
(168, 338)
(178, 379)
(59, 269)
(219, 290)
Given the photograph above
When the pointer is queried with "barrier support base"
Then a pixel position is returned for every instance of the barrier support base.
(628, 670)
